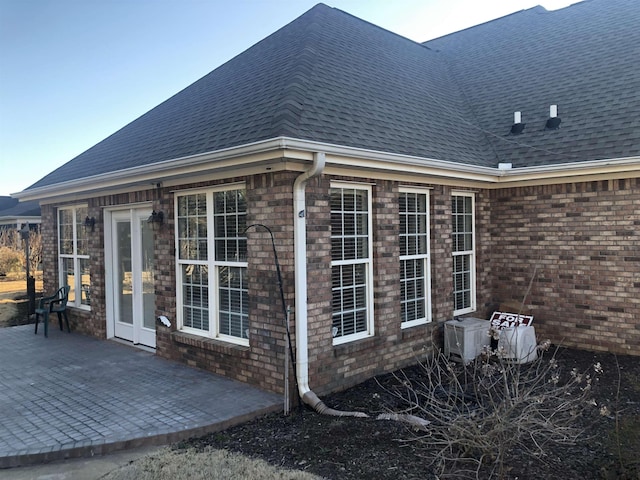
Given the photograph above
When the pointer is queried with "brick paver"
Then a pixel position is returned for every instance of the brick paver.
(70, 395)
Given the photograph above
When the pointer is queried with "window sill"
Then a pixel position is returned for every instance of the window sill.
(210, 344)
(80, 308)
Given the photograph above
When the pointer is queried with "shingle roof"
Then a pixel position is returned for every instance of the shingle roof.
(327, 76)
(9, 207)
(333, 78)
(583, 58)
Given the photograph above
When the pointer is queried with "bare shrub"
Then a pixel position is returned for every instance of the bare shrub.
(485, 413)
(10, 260)
(12, 251)
(10, 238)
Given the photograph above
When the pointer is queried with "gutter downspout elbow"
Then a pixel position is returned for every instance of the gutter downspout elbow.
(300, 266)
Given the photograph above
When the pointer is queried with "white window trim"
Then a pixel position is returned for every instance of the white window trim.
(426, 257)
(368, 262)
(77, 273)
(211, 263)
(471, 253)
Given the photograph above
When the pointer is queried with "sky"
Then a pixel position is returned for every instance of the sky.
(72, 72)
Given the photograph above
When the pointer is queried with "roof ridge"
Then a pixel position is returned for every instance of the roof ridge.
(536, 9)
(378, 27)
(291, 103)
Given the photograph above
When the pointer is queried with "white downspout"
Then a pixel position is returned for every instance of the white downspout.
(300, 266)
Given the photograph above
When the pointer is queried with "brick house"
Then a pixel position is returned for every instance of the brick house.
(404, 184)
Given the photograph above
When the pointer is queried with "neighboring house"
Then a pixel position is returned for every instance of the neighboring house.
(397, 194)
(15, 215)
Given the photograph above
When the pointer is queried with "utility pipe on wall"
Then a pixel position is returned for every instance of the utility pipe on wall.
(300, 266)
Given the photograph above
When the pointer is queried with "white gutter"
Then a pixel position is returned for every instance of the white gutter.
(301, 301)
(233, 157)
(155, 171)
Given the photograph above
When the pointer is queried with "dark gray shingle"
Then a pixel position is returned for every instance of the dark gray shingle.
(333, 78)
(327, 76)
(584, 58)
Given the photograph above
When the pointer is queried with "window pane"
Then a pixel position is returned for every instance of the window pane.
(68, 277)
(349, 293)
(195, 297)
(462, 222)
(65, 226)
(192, 227)
(85, 281)
(413, 224)
(230, 213)
(462, 281)
(81, 231)
(234, 303)
(349, 224)
(413, 292)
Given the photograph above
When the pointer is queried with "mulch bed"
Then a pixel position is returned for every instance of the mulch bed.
(355, 448)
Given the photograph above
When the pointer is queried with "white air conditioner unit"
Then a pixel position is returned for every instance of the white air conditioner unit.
(465, 339)
(518, 344)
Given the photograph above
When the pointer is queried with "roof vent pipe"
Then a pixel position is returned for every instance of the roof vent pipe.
(300, 255)
(553, 122)
(517, 126)
(517, 117)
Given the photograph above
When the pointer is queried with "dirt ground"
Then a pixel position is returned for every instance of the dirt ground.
(355, 448)
(13, 301)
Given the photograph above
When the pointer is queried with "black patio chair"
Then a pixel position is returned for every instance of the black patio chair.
(54, 304)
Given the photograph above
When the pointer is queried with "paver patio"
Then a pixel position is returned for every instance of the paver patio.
(70, 395)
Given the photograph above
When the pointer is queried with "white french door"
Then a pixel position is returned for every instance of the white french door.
(130, 289)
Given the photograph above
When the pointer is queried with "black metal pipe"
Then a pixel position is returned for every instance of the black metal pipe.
(282, 299)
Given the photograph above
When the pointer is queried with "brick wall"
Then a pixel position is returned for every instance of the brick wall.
(332, 367)
(81, 321)
(582, 238)
(49, 231)
(262, 363)
(581, 242)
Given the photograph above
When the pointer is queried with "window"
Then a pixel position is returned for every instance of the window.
(212, 264)
(73, 256)
(464, 264)
(351, 267)
(414, 257)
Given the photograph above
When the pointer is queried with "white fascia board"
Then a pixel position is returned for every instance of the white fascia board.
(157, 172)
(13, 219)
(376, 160)
(338, 158)
(341, 160)
(564, 170)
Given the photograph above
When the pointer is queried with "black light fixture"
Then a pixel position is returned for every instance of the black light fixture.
(90, 222)
(156, 217)
(517, 126)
